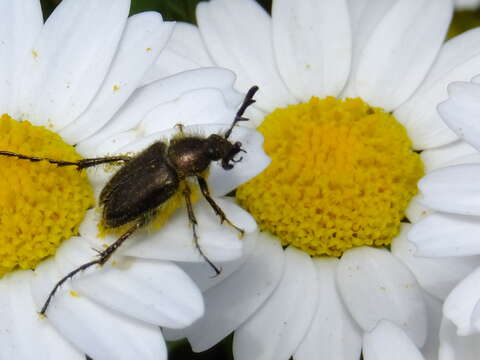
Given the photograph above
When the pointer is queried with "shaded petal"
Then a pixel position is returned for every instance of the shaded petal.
(285, 317)
(184, 51)
(20, 23)
(476, 317)
(416, 211)
(333, 333)
(174, 241)
(144, 37)
(459, 305)
(312, 42)
(365, 16)
(445, 235)
(70, 60)
(389, 342)
(461, 111)
(438, 276)
(230, 303)
(147, 98)
(97, 331)
(454, 189)
(375, 285)
(401, 50)
(458, 60)
(201, 273)
(246, 47)
(156, 292)
(434, 312)
(439, 157)
(454, 347)
(25, 335)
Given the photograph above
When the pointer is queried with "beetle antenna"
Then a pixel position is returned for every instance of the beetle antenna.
(247, 101)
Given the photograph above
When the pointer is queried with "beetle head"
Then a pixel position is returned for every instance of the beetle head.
(219, 148)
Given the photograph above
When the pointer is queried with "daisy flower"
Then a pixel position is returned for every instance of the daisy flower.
(451, 231)
(347, 89)
(78, 79)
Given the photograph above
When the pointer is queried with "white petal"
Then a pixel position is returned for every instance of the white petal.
(174, 241)
(110, 145)
(97, 331)
(70, 60)
(416, 211)
(200, 106)
(25, 335)
(231, 302)
(312, 42)
(458, 60)
(389, 342)
(375, 285)
(279, 326)
(201, 273)
(246, 47)
(401, 50)
(441, 156)
(156, 292)
(454, 189)
(438, 276)
(454, 347)
(20, 23)
(459, 305)
(434, 311)
(144, 37)
(148, 97)
(461, 111)
(184, 51)
(365, 16)
(445, 235)
(333, 333)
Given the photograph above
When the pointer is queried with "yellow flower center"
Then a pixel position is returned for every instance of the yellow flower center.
(341, 176)
(41, 204)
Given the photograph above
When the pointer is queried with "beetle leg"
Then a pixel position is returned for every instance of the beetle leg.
(103, 257)
(81, 164)
(193, 221)
(206, 194)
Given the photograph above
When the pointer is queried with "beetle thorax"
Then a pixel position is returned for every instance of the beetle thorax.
(187, 156)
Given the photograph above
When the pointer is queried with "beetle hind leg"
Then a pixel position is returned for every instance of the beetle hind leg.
(103, 257)
(193, 221)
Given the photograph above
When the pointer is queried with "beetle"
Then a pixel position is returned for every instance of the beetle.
(144, 182)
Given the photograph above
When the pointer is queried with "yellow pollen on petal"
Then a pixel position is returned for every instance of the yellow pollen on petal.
(74, 293)
(42, 204)
(342, 175)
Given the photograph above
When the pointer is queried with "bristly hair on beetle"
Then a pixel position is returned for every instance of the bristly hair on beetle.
(147, 180)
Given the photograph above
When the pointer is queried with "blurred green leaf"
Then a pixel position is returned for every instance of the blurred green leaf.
(179, 10)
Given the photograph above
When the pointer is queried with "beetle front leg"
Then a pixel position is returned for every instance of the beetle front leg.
(218, 210)
(193, 221)
(80, 164)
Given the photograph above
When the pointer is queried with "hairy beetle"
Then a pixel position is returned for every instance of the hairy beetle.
(147, 180)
